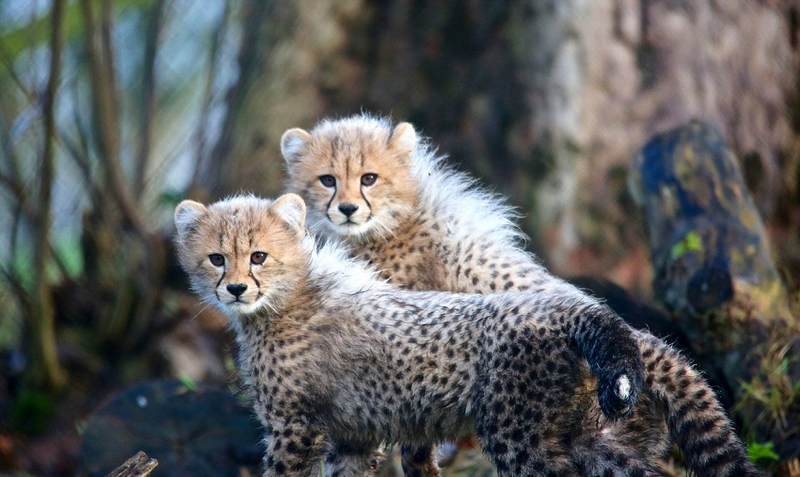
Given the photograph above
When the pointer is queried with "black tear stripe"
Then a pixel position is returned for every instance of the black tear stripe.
(361, 190)
(258, 283)
(217, 286)
(328, 207)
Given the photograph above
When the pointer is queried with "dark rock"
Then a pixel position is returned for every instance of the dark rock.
(201, 430)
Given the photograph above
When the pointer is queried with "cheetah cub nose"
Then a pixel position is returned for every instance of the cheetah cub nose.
(237, 289)
(348, 209)
(623, 387)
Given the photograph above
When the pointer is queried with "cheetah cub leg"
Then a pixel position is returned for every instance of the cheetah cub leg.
(295, 449)
(420, 462)
(363, 464)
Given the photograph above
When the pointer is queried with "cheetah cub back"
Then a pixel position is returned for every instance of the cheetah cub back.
(340, 361)
(425, 226)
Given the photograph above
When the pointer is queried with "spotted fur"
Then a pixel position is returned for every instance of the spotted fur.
(340, 361)
(447, 234)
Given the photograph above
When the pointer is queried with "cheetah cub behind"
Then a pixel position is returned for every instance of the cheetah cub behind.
(381, 190)
(340, 361)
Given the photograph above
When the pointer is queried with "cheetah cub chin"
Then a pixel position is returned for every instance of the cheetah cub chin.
(340, 361)
(382, 191)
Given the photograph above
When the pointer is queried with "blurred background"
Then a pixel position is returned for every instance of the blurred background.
(112, 111)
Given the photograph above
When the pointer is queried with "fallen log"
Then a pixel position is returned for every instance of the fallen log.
(714, 274)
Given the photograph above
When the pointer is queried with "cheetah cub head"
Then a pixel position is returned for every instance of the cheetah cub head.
(354, 174)
(242, 254)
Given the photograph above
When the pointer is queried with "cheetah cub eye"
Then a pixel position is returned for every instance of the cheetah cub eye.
(368, 179)
(257, 258)
(328, 180)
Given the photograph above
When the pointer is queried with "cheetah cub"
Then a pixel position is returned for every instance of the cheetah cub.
(340, 361)
(382, 191)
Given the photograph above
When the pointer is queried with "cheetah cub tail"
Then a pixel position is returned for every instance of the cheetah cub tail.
(618, 366)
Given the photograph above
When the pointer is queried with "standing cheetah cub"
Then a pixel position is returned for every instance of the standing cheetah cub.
(340, 361)
(383, 192)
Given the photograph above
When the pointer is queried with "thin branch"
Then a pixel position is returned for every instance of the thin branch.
(107, 124)
(12, 182)
(106, 121)
(33, 33)
(19, 290)
(201, 141)
(13, 186)
(148, 96)
(5, 59)
(7, 141)
(250, 50)
(61, 137)
(16, 223)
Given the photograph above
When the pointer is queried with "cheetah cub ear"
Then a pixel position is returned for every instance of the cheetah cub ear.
(403, 139)
(292, 209)
(293, 143)
(187, 214)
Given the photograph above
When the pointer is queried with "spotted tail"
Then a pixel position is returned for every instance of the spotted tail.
(695, 418)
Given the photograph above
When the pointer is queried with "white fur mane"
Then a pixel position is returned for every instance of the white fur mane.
(467, 208)
(331, 266)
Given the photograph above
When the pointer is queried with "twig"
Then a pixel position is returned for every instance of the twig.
(137, 466)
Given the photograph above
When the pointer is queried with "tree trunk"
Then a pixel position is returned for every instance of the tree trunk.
(546, 101)
(46, 370)
(288, 56)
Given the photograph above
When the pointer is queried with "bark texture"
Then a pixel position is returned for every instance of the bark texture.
(548, 101)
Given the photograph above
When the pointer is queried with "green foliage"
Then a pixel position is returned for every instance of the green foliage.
(80, 426)
(772, 390)
(761, 452)
(31, 413)
(21, 268)
(690, 243)
(188, 382)
(36, 32)
(69, 254)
